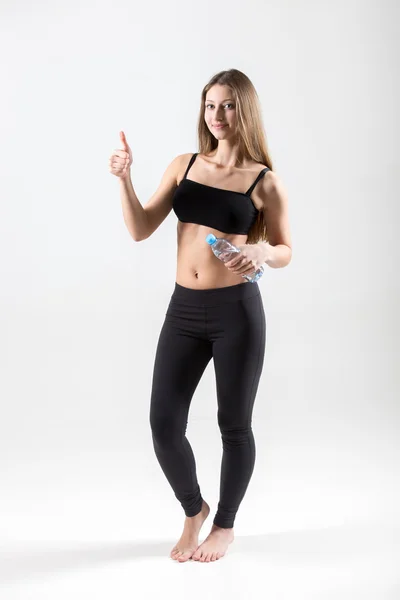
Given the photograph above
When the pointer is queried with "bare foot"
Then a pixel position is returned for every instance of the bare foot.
(215, 545)
(189, 539)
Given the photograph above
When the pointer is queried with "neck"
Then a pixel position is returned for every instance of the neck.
(226, 154)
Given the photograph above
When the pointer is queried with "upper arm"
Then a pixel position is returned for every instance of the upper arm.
(276, 211)
(160, 204)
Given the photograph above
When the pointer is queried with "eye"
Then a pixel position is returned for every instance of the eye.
(228, 104)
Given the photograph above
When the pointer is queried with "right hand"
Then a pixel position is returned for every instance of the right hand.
(120, 160)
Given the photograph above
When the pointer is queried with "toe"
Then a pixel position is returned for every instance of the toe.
(213, 556)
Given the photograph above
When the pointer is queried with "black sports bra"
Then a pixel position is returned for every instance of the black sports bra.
(224, 210)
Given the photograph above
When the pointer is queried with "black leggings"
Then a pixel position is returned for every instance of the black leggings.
(228, 325)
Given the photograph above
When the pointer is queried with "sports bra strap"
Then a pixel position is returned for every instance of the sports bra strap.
(190, 164)
(260, 175)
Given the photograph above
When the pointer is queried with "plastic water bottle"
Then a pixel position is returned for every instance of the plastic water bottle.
(224, 250)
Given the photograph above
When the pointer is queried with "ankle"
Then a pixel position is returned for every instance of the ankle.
(203, 512)
(218, 528)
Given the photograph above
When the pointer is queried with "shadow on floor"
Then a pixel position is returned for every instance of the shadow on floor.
(300, 547)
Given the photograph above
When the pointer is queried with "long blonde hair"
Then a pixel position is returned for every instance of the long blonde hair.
(251, 134)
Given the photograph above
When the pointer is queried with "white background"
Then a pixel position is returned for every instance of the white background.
(84, 503)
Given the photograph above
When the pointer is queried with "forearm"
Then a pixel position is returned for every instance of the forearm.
(134, 214)
(276, 256)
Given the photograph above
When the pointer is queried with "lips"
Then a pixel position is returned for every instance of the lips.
(219, 126)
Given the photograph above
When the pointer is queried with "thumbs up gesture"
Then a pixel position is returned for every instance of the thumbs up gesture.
(120, 161)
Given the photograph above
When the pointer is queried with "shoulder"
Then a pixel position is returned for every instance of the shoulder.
(271, 179)
(182, 160)
(256, 168)
(186, 156)
(178, 165)
(268, 180)
(273, 191)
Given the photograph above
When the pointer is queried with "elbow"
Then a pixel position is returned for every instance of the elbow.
(289, 257)
(139, 237)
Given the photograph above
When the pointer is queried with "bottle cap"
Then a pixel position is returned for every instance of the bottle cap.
(210, 239)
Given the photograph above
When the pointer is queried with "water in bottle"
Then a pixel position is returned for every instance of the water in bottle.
(224, 250)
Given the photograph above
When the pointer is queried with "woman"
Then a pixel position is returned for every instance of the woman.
(214, 312)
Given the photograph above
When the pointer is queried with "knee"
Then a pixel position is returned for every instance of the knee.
(235, 434)
(165, 429)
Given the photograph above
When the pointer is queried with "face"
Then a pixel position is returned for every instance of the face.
(220, 111)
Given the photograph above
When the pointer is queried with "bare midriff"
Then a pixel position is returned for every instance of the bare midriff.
(197, 266)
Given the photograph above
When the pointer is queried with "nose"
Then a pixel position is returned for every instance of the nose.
(219, 114)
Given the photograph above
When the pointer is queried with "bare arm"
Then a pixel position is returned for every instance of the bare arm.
(143, 221)
(278, 249)
(134, 215)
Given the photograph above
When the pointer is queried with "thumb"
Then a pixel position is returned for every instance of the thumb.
(123, 141)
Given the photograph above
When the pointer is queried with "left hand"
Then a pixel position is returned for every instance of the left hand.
(250, 258)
